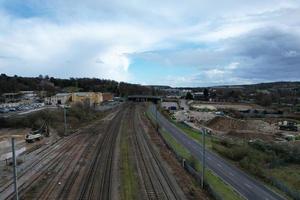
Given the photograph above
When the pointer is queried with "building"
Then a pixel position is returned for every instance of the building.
(58, 99)
(11, 97)
(22, 96)
(107, 96)
(200, 96)
(91, 98)
(171, 106)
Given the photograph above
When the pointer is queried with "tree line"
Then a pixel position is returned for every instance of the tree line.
(51, 85)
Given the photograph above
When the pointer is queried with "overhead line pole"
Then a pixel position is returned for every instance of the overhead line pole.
(65, 120)
(14, 167)
(203, 156)
(156, 117)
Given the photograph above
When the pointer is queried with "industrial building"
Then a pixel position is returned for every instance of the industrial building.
(28, 96)
(58, 99)
(91, 98)
(171, 106)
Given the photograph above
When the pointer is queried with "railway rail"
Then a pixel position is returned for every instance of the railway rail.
(81, 166)
(99, 176)
(156, 181)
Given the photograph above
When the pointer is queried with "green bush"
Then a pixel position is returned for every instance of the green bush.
(253, 167)
(235, 153)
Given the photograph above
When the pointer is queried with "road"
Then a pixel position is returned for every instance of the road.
(22, 113)
(247, 186)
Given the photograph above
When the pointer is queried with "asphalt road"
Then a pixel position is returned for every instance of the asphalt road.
(247, 186)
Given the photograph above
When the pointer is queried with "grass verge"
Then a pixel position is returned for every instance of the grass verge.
(219, 186)
(128, 178)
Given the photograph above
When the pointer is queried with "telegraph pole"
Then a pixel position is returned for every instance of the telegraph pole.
(65, 120)
(203, 156)
(14, 167)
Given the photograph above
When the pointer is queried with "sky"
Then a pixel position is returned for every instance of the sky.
(171, 42)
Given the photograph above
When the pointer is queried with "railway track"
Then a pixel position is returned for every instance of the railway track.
(99, 176)
(156, 182)
(63, 170)
(57, 159)
(81, 166)
(31, 172)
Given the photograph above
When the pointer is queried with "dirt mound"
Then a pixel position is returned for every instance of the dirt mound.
(250, 135)
(227, 124)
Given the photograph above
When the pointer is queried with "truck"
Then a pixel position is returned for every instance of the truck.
(288, 126)
(33, 136)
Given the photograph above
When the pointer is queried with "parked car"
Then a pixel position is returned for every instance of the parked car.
(12, 109)
(4, 110)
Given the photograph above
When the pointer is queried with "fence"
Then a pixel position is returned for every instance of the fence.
(283, 187)
(187, 166)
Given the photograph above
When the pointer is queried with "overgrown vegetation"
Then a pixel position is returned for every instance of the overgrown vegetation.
(268, 161)
(128, 177)
(76, 116)
(219, 187)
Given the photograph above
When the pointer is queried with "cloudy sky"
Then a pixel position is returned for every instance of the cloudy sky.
(170, 42)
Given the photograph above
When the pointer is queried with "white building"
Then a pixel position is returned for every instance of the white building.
(58, 99)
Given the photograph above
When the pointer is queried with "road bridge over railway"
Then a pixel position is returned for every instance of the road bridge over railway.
(143, 98)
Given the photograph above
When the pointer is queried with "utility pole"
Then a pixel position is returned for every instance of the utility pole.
(203, 156)
(14, 167)
(65, 120)
(156, 117)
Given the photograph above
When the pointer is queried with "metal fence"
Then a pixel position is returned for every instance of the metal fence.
(187, 166)
(283, 187)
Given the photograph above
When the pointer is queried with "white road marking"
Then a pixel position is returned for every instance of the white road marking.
(219, 165)
(208, 158)
(231, 174)
(248, 185)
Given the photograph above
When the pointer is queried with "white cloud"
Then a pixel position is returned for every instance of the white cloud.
(232, 66)
(101, 38)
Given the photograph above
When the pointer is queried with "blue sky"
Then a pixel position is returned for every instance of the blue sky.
(172, 42)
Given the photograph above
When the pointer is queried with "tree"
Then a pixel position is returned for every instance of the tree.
(189, 96)
(206, 94)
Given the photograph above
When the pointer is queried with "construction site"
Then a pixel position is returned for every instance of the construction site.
(227, 120)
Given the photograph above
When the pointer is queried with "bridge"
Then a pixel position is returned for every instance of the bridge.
(143, 98)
